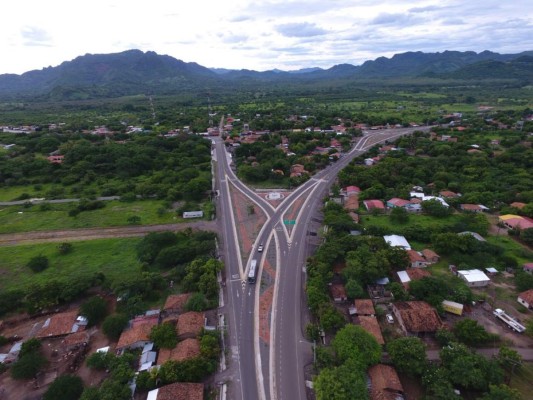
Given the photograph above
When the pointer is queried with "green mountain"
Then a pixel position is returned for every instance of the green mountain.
(136, 72)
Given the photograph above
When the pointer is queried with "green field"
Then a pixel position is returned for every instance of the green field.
(522, 380)
(423, 221)
(115, 213)
(115, 258)
(512, 248)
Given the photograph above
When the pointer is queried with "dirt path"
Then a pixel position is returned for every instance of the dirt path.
(12, 239)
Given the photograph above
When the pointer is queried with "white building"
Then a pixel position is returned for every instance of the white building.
(474, 277)
(397, 241)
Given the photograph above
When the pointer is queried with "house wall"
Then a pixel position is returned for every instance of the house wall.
(524, 303)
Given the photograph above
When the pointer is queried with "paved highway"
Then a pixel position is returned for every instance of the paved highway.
(278, 372)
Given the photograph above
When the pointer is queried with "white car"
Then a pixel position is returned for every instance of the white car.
(260, 248)
(390, 319)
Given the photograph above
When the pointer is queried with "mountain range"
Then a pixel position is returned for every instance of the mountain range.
(137, 72)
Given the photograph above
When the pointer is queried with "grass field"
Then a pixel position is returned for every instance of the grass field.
(115, 213)
(512, 248)
(10, 193)
(116, 258)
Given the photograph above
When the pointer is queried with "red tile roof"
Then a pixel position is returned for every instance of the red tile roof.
(528, 266)
(337, 291)
(138, 333)
(371, 325)
(470, 207)
(59, 325)
(371, 204)
(353, 189)
(527, 296)
(448, 193)
(351, 202)
(414, 256)
(176, 302)
(518, 223)
(418, 316)
(185, 350)
(364, 307)
(385, 383)
(417, 273)
(429, 254)
(181, 391)
(518, 205)
(397, 202)
(191, 323)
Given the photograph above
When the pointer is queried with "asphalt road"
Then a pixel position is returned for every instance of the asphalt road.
(280, 373)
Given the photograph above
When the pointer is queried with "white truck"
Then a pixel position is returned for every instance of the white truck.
(509, 321)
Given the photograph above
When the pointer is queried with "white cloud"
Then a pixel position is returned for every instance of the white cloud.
(258, 34)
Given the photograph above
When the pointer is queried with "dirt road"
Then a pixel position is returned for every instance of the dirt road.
(12, 239)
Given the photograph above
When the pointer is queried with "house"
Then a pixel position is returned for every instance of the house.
(374, 205)
(528, 267)
(184, 350)
(447, 194)
(384, 383)
(476, 235)
(397, 241)
(298, 170)
(474, 208)
(61, 325)
(190, 324)
(423, 197)
(397, 202)
(136, 337)
(430, 256)
(364, 307)
(518, 205)
(474, 277)
(175, 303)
(512, 221)
(371, 325)
(338, 292)
(352, 190)
(351, 203)
(178, 391)
(416, 317)
(76, 340)
(412, 274)
(526, 298)
(56, 159)
(416, 259)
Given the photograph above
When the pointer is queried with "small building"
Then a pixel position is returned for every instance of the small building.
(512, 221)
(412, 274)
(474, 277)
(430, 256)
(416, 317)
(374, 205)
(371, 325)
(448, 194)
(351, 203)
(184, 350)
(526, 299)
(474, 208)
(518, 205)
(193, 214)
(528, 267)
(397, 241)
(397, 202)
(190, 324)
(384, 383)
(175, 303)
(178, 391)
(364, 307)
(56, 159)
(476, 235)
(136, 337)
(338, 292)
(350, 190)
(62, 324)
(491, 270)
(452, 307)
(416, 260)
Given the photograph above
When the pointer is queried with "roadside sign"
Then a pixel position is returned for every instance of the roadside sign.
(289, 221)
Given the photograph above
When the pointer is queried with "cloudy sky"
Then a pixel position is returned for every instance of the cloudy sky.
(257, 34)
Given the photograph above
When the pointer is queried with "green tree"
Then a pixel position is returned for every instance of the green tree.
(94, 309)
(502, 392)
(341, 383)
(38, 263)
(113, 325)
(527, 236)
(435, 208)
(65, 248)
(354, 343)
(100, 360)
(27, 366)
(65, 387)
(209, 345)
(113, 390)
(330, 318)
(164, 336)
(408, 355)
(469, 332)
(354, 290)
(90, 393)
(510, 360)
(399, 215)
(197, 302)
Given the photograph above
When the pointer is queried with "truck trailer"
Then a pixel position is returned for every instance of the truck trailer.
(509, 321)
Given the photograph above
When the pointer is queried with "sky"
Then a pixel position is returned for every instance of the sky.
(257, 34)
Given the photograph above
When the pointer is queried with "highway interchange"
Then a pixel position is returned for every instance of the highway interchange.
(276, 370)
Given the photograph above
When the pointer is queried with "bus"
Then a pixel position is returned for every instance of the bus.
(253, 271)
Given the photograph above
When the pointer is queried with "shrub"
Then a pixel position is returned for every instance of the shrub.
(38, 263)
